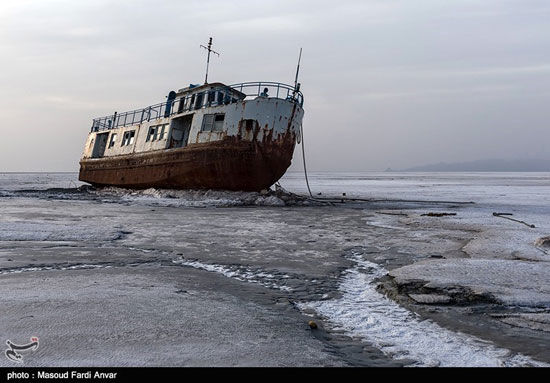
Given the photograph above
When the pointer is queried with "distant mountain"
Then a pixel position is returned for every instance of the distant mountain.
(490, 165)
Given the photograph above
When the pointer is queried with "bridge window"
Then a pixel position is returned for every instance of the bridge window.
(128, 138)
(181, 104)
(211, 97)
(198, 102)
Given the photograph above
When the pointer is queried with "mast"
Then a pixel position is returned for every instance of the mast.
(296, 84)
(298, 70)
(209, 49)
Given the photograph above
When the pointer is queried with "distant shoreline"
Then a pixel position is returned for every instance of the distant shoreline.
(486, 165)
(293, 172)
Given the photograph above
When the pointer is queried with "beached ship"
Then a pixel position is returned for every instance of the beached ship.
(211, 136)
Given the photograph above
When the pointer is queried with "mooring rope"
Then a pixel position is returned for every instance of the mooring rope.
(304, 159)
(343, 199)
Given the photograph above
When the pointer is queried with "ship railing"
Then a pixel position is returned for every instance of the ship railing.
(270, 90)
(130, 118)
(211, 97)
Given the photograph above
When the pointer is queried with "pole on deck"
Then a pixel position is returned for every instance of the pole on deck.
(209, 49)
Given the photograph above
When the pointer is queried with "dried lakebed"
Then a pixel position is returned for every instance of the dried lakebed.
(126, 279)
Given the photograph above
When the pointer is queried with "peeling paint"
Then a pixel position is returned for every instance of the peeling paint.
(252, 152)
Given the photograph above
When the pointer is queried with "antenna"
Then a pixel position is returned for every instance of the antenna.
(209, 49)
(296, 85)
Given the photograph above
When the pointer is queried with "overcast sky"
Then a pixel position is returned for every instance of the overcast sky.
(387, 83)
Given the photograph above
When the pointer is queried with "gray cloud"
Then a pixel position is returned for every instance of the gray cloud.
(387, 83)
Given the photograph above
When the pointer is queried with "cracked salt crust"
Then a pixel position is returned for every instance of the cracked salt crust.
(364, 312)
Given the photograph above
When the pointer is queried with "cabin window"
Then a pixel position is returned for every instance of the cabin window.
(218, 122)
(162, 132)
(151, 134)
(220, 98)
(207, 122)
(213, 122)
(192, 101)
(156, 133)
(128, 138)
(113, 140)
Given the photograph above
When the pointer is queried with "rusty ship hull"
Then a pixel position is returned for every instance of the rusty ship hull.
(229, 164)
(240, 143)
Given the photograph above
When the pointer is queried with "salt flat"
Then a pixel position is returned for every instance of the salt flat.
(118, 277)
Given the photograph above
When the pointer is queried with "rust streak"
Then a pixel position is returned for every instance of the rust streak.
(233, 163)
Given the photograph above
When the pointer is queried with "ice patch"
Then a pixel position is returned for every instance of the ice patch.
(382, 225)
(190, 198)
(240, 273)
(77, 266)
(53, 267)
(46, 231)
(365, 313)
(512, 282)
(269, 201)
